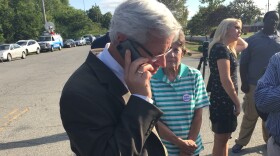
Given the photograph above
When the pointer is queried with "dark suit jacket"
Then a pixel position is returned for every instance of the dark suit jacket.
(97, 120)
(101, 41)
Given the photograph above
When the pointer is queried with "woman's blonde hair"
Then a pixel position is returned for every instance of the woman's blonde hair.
(221, 33)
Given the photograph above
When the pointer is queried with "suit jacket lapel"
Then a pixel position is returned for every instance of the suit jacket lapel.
(115, 86)
(106, 76)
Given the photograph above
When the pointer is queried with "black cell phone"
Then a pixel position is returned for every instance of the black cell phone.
(127, 44)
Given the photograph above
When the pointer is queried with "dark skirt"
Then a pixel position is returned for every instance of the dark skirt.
(221, 114)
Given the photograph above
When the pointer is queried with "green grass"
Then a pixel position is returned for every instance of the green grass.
(193, 46)
(247, 35)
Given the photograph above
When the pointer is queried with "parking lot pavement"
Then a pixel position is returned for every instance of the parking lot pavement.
(29, 106)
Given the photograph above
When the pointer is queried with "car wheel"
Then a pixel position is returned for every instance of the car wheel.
(9, 57)
(38, 51)
(59, 48)
(23, 56)
(51, 48)
(26, 51)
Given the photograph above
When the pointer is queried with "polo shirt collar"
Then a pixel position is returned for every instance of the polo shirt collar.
(183, 71)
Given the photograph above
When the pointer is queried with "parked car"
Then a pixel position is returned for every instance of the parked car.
(49, 42)
(80, 41)
(11, 51)
(90, 37)
(68, 43)
(88, 41)
(31, 46)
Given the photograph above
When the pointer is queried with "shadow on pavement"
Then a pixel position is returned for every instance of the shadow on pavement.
(260, 150)
(34, 142)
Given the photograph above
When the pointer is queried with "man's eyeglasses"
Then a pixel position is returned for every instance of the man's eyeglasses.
(154, 58)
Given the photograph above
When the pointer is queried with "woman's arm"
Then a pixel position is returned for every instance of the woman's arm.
(196, 124)
(167, 134)
(224, 71)
(241, 45)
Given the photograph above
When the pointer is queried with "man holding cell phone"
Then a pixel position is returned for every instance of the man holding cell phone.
(106, 106)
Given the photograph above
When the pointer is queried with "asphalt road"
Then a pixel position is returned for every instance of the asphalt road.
(30, 122)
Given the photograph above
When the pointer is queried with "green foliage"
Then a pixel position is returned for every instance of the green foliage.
(197, 25)
(179, 10)
(23, 19)
(212, 3)
(214, 17)
(6, 15)
(209, 17)
(245, 10)
(95, 14)
(106, 18)
(26, 22)
(193, 46)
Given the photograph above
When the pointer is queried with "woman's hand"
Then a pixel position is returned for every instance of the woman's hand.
(187, 147)
(237, 110)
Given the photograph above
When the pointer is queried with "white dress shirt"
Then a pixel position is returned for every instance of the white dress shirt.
(117, 69)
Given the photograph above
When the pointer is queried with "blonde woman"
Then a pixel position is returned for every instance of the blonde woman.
(225, 105)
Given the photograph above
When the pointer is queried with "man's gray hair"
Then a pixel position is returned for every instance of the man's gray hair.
(139, 19)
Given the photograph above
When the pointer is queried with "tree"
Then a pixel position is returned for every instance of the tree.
(6, 14)
(179, 10)
(214, 17)
(208, 17)
(26, 21)
(95, 14)
(106, 19)
(245, 10)
(212, 3)
(197, 25)
(69, 27)
(65, 2)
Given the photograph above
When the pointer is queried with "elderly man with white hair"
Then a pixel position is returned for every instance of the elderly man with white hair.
(106, 106)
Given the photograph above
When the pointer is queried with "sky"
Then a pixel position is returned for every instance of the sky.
(110, 5)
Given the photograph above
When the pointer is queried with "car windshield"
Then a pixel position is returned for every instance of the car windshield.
(21, 43)
(68, 41)
(4, 47)
(45, 38)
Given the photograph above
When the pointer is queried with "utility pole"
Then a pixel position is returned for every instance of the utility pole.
(44, 12)
(84, 6)
(268, 5)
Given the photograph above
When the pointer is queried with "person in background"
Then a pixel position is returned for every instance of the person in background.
(225, 105)
(106, 106)
(253, 62)
(101, 41)
(179, 91)
(267, 95)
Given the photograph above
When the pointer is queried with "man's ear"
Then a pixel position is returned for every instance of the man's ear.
(121, 37)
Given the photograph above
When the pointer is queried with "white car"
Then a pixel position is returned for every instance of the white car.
(11, 51)
(80, 41)
(31, 46)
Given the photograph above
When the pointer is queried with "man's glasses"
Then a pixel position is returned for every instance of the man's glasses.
(154, 58)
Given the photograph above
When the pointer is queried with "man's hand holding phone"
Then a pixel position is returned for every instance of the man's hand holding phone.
(137, 75)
